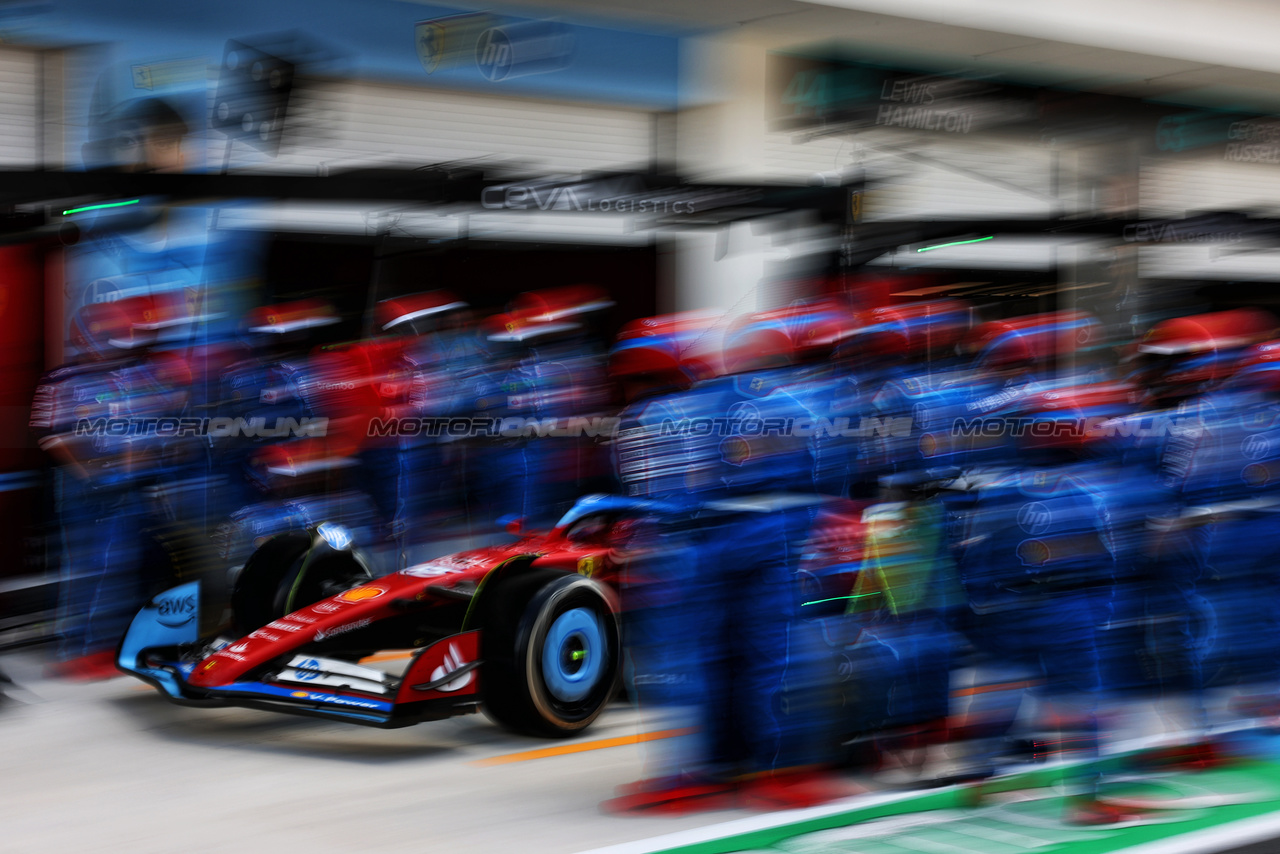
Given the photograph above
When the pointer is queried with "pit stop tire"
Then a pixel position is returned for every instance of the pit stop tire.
(289, 572)
(551, 648)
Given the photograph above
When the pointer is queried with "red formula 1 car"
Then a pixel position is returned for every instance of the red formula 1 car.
(529, 629)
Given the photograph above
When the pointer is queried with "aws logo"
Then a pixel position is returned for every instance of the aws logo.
(176, 611)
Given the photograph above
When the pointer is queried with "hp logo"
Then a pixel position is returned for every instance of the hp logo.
(493, 54)
(523, 47)
(307, 670)
(1034, 518)
(1256, 447)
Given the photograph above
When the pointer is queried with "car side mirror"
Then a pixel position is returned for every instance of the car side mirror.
(513, 525)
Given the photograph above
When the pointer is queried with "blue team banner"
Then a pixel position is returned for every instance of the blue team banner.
(405, 42)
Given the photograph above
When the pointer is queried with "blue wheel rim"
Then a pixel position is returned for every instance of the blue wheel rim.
(574, 654)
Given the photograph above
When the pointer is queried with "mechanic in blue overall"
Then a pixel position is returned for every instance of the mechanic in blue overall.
(410, 470)
(1177, 444)
(810, 332)
(1223, 476)
(266, 388)
(101, 473)
(904, 359)
(171, 252)
(1242, 529)
(550, 373)
(722, 450)
(290, 478)
(1036, 557)
(654, 364)
(897, 642)
(150, 247)
(946, 413)
(950, 414)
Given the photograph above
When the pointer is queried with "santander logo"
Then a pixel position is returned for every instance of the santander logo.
(452, 662)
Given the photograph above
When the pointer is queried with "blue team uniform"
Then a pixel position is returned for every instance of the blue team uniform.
(1035, 556)
(722, 599)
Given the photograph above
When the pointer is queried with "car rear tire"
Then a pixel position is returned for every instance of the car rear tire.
(551, 653)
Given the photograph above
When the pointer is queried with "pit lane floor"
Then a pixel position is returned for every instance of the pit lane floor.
(113, 767)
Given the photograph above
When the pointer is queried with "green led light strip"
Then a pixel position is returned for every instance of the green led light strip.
(957, 243)
(99, 207)
(837, 598)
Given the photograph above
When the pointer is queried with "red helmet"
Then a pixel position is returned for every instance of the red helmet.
(104, 327)
(805, 332)
(557, 304)
(673, 350)
(1185, 355)
(159, 311)
(392, 313)
(292, 316)
(354, 382)
(1219, 330)
(1032, 339)
(913, 329)
(513, 327)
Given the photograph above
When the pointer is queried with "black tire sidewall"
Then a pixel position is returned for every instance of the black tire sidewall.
(303, 581)
(254, 592)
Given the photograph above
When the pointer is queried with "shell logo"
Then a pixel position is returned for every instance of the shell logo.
(361, 594)
(736, 450)
(1033, 552)
(1255, 474)
(298, 694)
